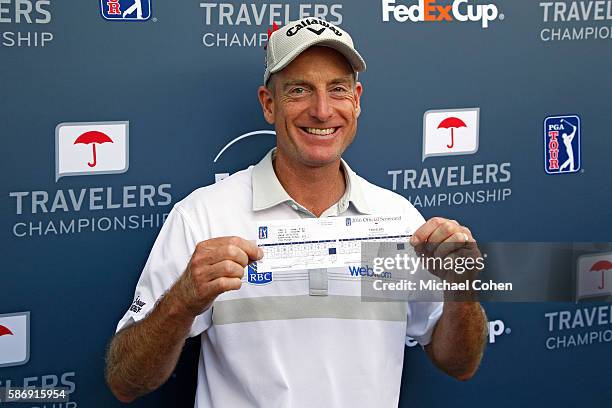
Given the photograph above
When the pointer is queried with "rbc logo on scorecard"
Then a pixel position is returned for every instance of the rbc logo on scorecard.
(257, 278)
(263, 232)
(562, 144)
(126, 10)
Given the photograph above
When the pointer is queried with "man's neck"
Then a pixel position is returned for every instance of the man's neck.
(314, 188)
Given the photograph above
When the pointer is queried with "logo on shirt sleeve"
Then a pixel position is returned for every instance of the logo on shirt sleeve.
(137, 305)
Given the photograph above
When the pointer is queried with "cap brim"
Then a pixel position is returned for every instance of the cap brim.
(353, 57)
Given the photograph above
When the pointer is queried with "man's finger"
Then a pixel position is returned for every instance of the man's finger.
(233, 248)
(421, 235)
(228, 252)
(456, 241)
(225, 268)
(224, 284)
(444, 231)
(249, 247)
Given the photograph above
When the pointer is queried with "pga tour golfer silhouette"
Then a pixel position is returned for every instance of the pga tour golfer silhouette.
(567, 141)
(137, 6)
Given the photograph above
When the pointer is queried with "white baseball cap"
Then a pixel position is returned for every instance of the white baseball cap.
(285, 44)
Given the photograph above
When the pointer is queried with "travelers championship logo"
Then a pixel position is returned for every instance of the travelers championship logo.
(25, 21)
(242, 25)
(594, 276)
(91, 148)
(562, 144)
(14, 339)
(584, 20)
(86, 149)
(450, 132)
(126, 10)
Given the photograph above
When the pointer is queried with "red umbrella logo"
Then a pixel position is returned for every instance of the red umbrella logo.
(92, 137)
(601, 266)
(5, 331)
(451, 123)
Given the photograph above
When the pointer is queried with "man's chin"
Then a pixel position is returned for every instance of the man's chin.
(321, 157)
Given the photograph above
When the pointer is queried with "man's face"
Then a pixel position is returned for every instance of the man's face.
(314, 105)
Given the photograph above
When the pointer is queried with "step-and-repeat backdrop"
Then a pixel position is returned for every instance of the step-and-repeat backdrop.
(495, 113)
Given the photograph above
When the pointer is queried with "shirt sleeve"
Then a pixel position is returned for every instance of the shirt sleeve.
(168, 259)
(421, 320)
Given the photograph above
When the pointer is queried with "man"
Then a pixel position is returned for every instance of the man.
(306, 339)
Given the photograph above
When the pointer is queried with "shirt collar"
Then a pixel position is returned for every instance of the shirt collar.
(268, 191)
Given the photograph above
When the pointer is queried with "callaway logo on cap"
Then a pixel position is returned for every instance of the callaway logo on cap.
(290, 41)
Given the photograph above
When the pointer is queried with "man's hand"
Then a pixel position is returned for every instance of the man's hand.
(442, 238)
(142, 356)
(458, 340)
(216, 266)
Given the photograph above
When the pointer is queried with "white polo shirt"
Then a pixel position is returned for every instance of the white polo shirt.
(304, 340)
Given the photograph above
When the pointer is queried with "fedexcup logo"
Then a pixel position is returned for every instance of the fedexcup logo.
(430, 11)
(496, 329)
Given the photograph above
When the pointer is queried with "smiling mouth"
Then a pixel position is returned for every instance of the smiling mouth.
(319, 131)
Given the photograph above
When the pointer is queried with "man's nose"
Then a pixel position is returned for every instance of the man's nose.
(320, 107)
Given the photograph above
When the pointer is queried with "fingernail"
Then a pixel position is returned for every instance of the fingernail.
(260, 253)
(414, 240)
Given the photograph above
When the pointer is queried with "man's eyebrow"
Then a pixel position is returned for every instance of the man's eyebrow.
(294, 82)
(302, 82)
(342, 80)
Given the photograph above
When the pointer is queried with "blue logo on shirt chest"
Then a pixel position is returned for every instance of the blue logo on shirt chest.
(257, 278)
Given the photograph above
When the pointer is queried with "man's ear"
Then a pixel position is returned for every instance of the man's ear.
(358, 92)
(266, 99)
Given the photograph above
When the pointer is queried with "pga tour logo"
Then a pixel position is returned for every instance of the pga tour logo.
(594, 277)
(448, 132)
(126, 10)
(562, 144)
(263, 232)
(14, 339)
(87, 148)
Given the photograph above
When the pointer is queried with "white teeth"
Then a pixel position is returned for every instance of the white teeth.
(322, 132)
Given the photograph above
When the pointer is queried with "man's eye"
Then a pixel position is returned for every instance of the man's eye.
(298, 90)
(339, 89)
